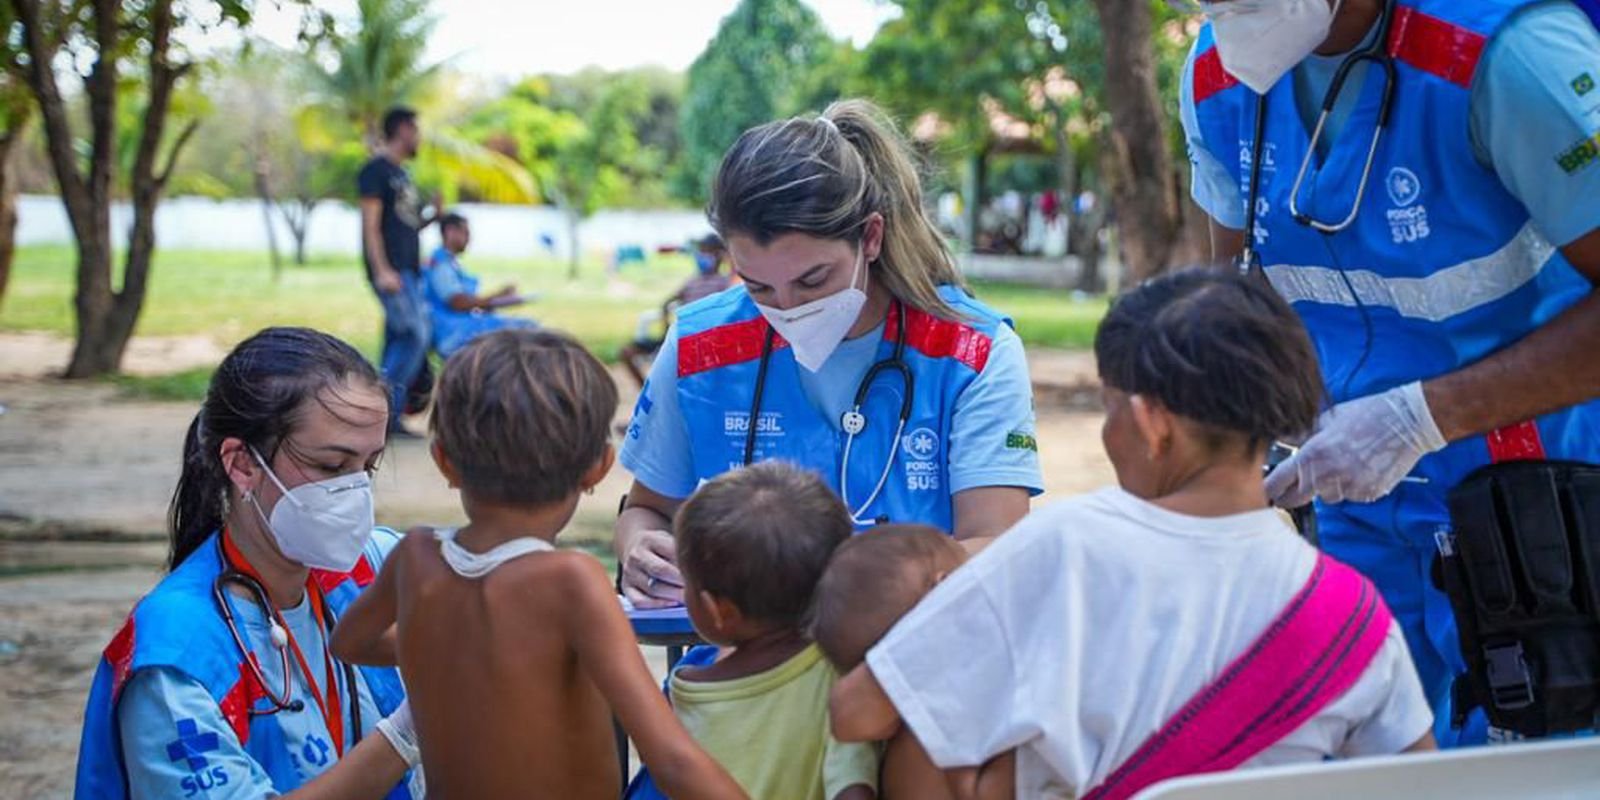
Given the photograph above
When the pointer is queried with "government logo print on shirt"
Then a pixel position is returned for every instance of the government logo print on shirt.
(1269, 166)
(1408, 219)
(190, 748)
(921, 447)
(316, 751)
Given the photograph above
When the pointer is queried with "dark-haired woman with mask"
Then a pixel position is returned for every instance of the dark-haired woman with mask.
(851, 348)
(220, 684)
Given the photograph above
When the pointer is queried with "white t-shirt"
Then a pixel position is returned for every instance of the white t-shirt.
(1082, 630)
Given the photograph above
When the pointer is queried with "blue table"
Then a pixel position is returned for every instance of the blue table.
(664, 627)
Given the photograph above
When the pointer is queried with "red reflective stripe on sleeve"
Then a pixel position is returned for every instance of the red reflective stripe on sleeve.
(1209, 76)
(1435, 46)
(941, 338)
(119, 655)
(724, 345)
(235, 705)
(1520, 442)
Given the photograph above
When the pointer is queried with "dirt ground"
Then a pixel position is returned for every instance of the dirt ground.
(85, 477)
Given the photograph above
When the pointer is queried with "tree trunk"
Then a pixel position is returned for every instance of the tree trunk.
(264, 191)
(105, 317)
(297, 217)
(1142, 182)
(1083, 237)
(8, 201)
(574, 252)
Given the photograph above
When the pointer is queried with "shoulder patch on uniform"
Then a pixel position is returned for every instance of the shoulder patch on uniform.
(1210, 79)
(119, 655)
(724, 345)
(1583, 84)
(942, 338)
(1017, 440)
(1581, 156)
(1436, 46)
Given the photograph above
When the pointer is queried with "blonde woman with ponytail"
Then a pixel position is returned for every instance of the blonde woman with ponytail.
(852, 348)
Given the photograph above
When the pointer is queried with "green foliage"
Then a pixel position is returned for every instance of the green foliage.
(582, 159)
(652, 124)
(379, 64)
(1038, 61)
(758, 68)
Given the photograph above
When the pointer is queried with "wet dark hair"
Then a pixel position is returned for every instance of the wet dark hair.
(759, 537)
(451, 220)
(396, 117)
(256, 396)
(523, 415)
(871, 582)
(824, 177)
(1218, 348)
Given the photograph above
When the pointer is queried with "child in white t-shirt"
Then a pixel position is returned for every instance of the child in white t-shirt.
(1083, 632)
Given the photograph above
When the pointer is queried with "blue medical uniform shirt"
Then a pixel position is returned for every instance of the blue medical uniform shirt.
(1535, 101)
(177, 744)
(1000, 400)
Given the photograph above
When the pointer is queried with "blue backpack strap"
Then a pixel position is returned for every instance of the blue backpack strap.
(643, 787)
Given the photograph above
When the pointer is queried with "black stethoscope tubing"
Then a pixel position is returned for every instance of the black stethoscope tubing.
(895, 362)
(1378, 53)
(280, 701)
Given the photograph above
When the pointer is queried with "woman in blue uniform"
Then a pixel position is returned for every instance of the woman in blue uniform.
(851, 348)
(220, 684)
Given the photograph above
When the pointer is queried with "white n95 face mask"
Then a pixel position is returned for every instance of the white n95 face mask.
(815, 329)
(1261, 40)
(323, 525)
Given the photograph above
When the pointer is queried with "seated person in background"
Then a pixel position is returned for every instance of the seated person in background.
(871, 582)
(516, 655)
(459, 313)
(752, 544)
(709, 254)
(1173, 624)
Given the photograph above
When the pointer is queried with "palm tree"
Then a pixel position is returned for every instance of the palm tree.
(381, 66)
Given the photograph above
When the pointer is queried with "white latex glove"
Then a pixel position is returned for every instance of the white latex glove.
(402, 734)
(1360, 451)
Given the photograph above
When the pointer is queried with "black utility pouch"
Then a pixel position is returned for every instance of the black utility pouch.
(1522, 569)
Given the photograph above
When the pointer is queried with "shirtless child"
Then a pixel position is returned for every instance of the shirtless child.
(871, 582)
(516, 655)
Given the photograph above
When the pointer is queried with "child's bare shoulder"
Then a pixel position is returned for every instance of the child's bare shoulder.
(573, 574)
(415, 541)
(566, 565)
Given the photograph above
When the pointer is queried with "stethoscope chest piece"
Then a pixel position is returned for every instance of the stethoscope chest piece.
(280, 636)
(853, 422)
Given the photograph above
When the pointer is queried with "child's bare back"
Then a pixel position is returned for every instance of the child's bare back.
(501, 702)
(516, 655)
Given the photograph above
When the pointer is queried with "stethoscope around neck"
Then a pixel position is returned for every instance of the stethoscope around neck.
(1249, 260)
(852, 422)
(283, 700)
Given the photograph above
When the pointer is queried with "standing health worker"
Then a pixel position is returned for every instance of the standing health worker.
(1419, 178)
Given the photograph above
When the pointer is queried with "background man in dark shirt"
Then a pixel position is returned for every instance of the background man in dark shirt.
(391, 221)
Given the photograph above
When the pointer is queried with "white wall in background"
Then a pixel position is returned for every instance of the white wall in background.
(497, 230)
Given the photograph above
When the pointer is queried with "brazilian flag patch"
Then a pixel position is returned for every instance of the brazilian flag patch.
(1021, 441)
(1583, 84)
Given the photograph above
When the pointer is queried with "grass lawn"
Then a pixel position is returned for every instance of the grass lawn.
(228, 296)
